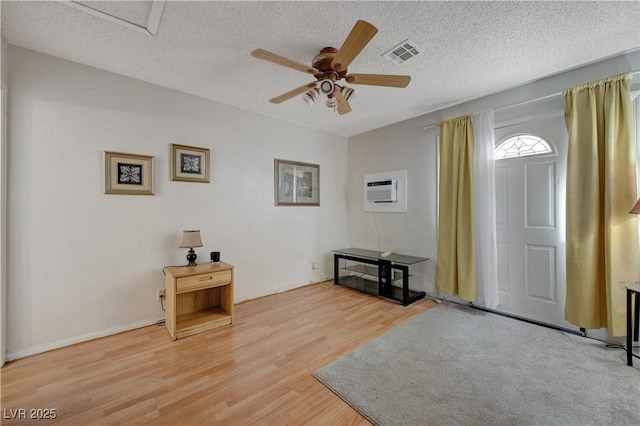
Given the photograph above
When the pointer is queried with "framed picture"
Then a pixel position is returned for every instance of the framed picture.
(296, 184)
(128, 173)
(189, 163)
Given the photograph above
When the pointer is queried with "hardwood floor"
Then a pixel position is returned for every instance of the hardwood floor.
(256, 371)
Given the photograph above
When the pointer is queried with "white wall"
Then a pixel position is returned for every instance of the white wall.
(401, 146)
(3, 202)
(3, 58)
(83, 264)
(408, 146)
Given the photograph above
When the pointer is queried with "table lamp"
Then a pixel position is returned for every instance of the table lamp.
(191, 239)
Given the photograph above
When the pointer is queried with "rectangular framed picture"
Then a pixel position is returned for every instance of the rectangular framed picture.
(130, 174)
(296, 184)
(189, 163)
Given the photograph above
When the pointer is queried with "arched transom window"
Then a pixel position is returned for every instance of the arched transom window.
(521, 146)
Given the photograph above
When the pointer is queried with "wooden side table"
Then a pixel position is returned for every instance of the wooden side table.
(198, 298)
(632, 290)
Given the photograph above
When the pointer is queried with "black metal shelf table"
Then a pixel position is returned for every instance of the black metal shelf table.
(385, 270)
(633, 291)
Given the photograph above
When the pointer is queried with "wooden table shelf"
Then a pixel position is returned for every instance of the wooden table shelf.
(198, 298)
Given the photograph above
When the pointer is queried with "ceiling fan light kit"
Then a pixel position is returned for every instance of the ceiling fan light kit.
(349, 94)
(326, 87)
(330, 66)
(311, 96)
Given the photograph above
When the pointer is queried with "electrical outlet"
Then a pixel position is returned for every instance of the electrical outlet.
(160, 294)
(313, 266)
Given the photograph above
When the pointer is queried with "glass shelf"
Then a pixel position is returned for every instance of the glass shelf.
(370, 272)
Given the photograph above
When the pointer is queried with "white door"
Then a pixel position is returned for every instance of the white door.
(530, 219)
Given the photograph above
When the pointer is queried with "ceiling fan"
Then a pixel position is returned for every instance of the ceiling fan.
(330, 66)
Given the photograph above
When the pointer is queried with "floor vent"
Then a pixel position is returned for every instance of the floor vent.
(402, 52)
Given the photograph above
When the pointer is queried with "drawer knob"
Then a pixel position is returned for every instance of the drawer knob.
(205, 278)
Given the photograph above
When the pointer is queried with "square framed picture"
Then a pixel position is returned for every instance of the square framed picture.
(189, 163)
(296, 184)
(130, 174)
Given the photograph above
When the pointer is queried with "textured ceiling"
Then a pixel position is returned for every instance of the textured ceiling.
(469, 49)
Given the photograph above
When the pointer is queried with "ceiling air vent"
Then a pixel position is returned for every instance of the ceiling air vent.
(402, 52)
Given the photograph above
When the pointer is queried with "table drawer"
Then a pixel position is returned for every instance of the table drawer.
(198, 282)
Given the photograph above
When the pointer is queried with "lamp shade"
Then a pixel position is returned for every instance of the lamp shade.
(190, 239)
(636, 208)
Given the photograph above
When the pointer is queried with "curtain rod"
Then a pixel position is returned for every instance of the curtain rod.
(529, 101)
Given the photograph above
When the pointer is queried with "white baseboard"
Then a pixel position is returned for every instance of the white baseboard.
(33, 350)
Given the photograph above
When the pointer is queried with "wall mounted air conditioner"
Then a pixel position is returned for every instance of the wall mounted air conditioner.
(382, 191)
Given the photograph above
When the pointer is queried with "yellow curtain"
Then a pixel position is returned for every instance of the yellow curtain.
(456, 264)
(602, 237)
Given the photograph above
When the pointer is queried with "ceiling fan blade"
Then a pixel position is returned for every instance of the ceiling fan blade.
(379, 80)
(357, 39)
(291, 93)
(343, 104)
(281, 60)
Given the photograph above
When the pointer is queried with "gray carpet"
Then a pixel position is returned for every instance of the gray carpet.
(454, 365)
